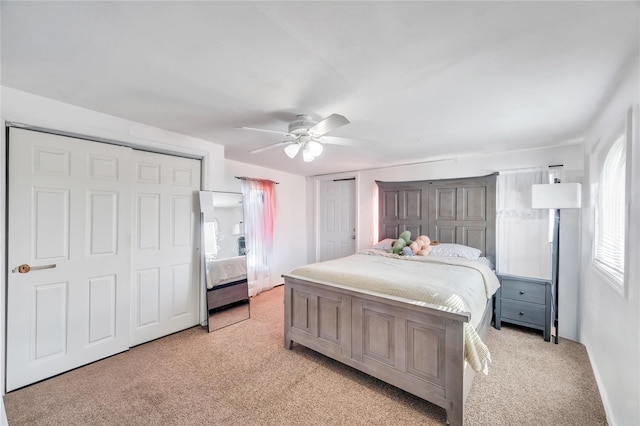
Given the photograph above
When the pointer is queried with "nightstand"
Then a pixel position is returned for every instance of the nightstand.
(525, 301)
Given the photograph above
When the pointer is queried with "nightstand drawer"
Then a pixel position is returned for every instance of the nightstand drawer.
(522, 311)
(522, 290)
(524, 301)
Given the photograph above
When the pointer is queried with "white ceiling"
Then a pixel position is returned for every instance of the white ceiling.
(418, 80)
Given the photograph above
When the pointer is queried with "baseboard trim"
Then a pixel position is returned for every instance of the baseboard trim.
(603, 393)
(3, 414)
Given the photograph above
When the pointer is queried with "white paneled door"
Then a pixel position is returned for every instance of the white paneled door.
(68, 254)
(101, 252)
(165, 291)
(337, 219)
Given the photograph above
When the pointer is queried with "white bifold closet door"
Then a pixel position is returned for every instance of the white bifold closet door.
(107, 234)
(69, 214)
(165, 281)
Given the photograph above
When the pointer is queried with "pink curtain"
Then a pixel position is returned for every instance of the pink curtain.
(259, 219)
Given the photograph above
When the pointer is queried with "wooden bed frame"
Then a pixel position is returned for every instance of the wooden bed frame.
(417, 347)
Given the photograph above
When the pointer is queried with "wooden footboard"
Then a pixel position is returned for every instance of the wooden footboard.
(417, 347)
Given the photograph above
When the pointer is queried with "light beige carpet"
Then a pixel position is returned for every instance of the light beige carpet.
(242, 375)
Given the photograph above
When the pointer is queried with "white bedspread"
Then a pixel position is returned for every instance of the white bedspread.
(222, 271)
(455, 283)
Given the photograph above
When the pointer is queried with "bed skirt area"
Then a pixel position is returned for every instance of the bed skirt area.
(414, 347)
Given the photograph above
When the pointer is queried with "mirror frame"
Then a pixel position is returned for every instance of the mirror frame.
(227, 300)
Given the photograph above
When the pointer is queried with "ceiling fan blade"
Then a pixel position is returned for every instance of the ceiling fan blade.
(330, 123)
(273, 145)
(265, 130)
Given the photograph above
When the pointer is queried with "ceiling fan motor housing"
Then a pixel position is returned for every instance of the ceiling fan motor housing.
(301, 124)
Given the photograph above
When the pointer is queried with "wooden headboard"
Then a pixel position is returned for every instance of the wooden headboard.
(461, 211)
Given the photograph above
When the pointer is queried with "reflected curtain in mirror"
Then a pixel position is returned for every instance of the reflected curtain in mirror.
(259, 214)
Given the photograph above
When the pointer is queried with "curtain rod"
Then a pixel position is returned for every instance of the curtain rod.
(257, 180)
(550, 166)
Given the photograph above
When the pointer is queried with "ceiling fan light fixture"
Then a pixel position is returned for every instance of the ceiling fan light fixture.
(315, 148)
(307, 155)
(292, 150)
(306, 134)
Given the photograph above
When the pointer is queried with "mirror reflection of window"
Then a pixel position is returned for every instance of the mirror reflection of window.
(211, 240)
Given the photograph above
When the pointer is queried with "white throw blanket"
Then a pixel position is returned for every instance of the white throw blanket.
(456, 283)
(222, 271)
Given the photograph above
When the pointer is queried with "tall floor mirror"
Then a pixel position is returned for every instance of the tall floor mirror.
(224, 259)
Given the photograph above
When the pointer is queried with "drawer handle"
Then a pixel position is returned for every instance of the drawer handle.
(521, 291)
(521, 312)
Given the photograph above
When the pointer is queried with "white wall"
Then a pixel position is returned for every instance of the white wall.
(610, 322)
(571, 156)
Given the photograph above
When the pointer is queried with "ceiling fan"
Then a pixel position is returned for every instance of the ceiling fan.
(306, 135)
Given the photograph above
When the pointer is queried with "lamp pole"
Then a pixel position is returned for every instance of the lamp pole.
(555, 269)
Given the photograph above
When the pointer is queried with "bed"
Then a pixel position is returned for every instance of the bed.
(226, 282)
(350, 310)
(224, 271)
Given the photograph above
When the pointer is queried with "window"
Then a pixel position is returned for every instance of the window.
(610, 214)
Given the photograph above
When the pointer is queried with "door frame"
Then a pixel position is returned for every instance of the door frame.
(178, 151)
(317, 209)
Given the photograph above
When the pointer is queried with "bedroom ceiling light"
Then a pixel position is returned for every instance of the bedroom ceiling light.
(315, 148)
(310, 150)
(292, 150)
(307, 155)
(306, 134)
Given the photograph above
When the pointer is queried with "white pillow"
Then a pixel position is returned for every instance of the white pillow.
(455, 250)
(487, 262)
(384, 244)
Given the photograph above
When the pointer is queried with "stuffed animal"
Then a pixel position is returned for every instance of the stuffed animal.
(421, 246)
(403, 241)
(406, 251)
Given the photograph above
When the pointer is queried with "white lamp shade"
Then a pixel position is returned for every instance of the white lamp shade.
(292, 149)
(556, 196)
(307, 155)
(237, 229)
(315, 148)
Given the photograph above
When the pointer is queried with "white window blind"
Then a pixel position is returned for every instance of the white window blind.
(609, 250)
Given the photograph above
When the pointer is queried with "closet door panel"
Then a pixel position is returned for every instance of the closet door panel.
(69, 211)
(165, 256)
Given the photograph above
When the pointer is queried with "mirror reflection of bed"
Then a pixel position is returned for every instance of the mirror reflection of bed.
(224, 259)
